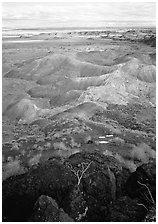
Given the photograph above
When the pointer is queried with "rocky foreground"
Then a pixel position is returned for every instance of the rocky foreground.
(79, 128)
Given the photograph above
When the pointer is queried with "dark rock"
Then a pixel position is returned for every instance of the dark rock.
(21, 192)
(142, 183)
(63, 217)
(99, 183)
(78, 206)
(150, 41)
(89, 142)
(151, 216)
(85, 187)
(47, 210)
(126, 209)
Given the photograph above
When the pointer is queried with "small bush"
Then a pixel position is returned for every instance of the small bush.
(143, 153)
(12, 168)
(60, 145)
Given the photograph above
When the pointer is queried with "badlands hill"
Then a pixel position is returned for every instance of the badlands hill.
(63, 80)
(79, 128)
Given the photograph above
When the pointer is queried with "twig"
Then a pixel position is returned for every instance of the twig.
(151, 197)
(82, 172)
(148, 199)
(143, 206)
(79, 173)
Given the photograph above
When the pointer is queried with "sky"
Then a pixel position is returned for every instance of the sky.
(81, 14)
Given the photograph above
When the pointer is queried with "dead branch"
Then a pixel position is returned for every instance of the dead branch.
(79, 173)
(149, 192)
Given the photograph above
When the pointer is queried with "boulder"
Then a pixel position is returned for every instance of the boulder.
(142, 183)
(126, 209)
(21, 192)
(85, 187)
(47, 210)
(99, 180)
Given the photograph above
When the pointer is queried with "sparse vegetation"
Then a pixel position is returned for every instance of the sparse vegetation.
(143, 153)
(57, 101)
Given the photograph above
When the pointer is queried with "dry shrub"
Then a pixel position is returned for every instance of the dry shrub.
(142, 153)
(12, 168)
(60, 145)
(34, 160)
(75, 144)
(128, 164)
(66, 153)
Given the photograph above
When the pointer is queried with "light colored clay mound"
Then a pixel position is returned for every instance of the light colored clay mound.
(85, 110)
(48, 91)
(66, 85)
(134, 67)
(89, 70)
(85, 82)
(46, 80)
(82, 83)
(143, 58)
(118, 89)
(107, 57)
(37, 68)
(24, 110)
(66, 98)
(78, 110)
(43, 92)
(131, 80)
(57, 65)
(14, 90)
(148, 74)
(74, 68)
(104, 94)
(113, 56)
(14, 86)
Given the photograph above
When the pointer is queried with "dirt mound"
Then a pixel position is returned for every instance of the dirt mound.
(24, 110)
(46, 80)
(131, 81)
(56, 66)
(136, 68)
(82, 110)
(44, 92)
(66, 85)
(86, 109)
(113, 56)
(107, 58)
(118, 90)
(65, 98)
(14, 90)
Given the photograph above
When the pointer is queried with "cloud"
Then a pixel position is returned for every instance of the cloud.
(92, 13)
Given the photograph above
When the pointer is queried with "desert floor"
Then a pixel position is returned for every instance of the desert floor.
(79, 126)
